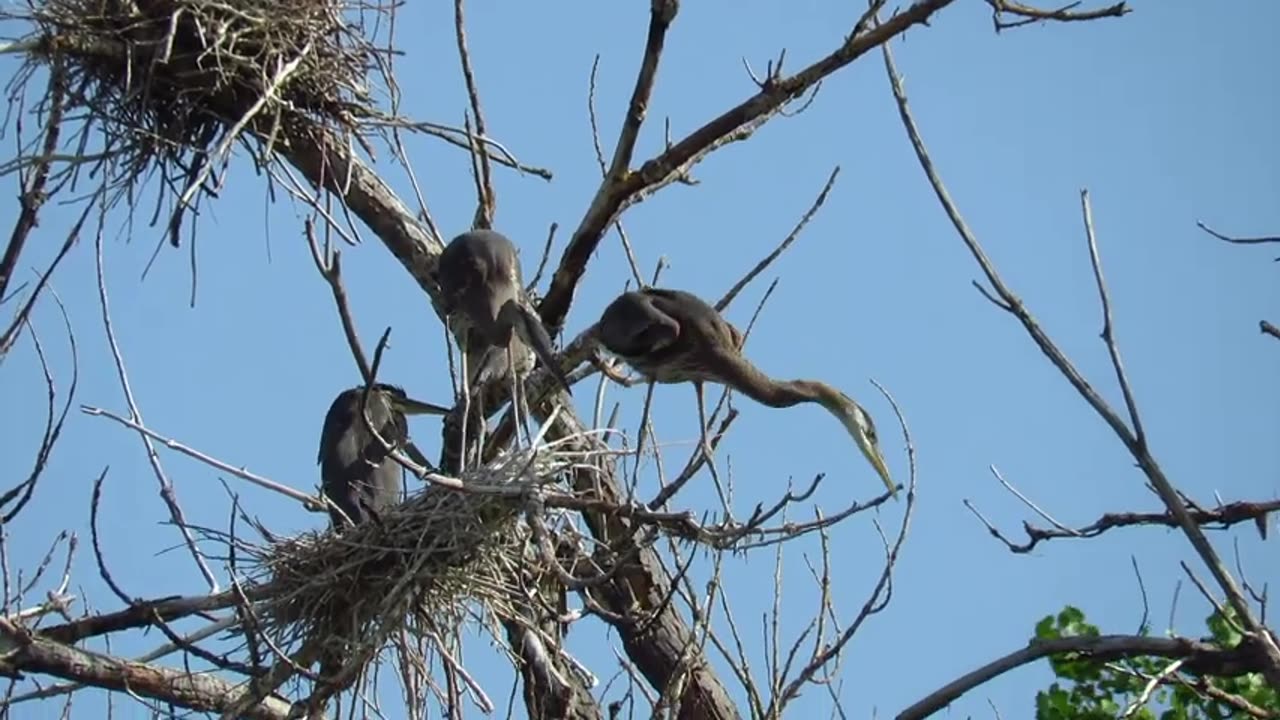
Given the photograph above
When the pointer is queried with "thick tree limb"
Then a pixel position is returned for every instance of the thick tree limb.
(1201, 658)
(142, 614)
(196, 691)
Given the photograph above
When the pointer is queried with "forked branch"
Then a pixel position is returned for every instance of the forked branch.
(624, 187)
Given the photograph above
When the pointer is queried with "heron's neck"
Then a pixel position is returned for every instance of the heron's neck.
(740, 374)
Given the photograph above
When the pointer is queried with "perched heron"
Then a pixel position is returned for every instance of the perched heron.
(356, 472)
(483, 293)
(671, 336)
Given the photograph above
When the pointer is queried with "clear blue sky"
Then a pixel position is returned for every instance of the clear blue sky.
(1167, 116)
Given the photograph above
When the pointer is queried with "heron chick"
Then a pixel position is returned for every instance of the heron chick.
(483, 295)
(672, 336)
(357, 473)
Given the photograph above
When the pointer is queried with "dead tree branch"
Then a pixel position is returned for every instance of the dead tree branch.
(625, 187)
(197, 691)
(1220, 518)
(1201, 658)
(1132, 439)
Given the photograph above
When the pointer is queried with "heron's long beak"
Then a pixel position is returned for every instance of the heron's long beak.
(858, 423)
(529, 327)
(409, 406)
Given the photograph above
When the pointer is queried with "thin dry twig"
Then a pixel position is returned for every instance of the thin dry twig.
(23, 491)
(310, 502)
(1027, 15)
(880, 595)
(167, 493)
(488, 200)
(760, 267)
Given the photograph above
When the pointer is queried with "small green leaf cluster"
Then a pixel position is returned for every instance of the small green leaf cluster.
(1090, 690)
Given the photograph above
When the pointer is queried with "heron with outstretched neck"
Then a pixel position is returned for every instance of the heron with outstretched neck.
(672, 336)
(357, 473)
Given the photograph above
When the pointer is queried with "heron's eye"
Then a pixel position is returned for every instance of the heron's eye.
(868, 427)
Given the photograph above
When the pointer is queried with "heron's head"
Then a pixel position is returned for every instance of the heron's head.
(859, 425)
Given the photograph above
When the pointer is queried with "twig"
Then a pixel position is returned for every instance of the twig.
(782, 246)
(1145, 696)
(166, 487)
(1221, 517)
(24, 490)
(1238, 240)
(310, 502)
(1108, 336)
(542, 261)
(331, 271)
(1066, 13)
(1027, 501)
(488, 200)
(33, 196)
(627, 250)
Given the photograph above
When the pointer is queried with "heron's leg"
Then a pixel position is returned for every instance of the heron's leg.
(466, 398)
(519, 400)
(702, 423)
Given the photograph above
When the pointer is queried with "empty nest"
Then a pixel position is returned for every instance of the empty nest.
(175, 83)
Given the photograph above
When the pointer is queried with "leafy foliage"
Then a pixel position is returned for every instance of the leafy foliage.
(1105, 690)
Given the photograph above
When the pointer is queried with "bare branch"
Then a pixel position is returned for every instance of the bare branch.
(33, 196)
(1221, 518)
(786, 242)
(1200, 657)
(488, 200)
(1066, 13)
(197, 691)
(614, 196)
(312, 503)
(1108, 336)
(1238, 240)
(24, 490)
(167, 492)
(1136, 446)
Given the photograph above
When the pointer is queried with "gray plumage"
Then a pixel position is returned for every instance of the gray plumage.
(672, 336)
(483, 293)
(356, 471)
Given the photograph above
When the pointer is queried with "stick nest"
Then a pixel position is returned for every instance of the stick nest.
(425, 560)
(164, 79)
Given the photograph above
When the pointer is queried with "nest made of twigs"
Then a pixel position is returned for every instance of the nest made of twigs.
(183, 64)
(430, 558)
(171, 81)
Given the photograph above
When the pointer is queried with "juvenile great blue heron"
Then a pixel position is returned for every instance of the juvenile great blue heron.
(671, 336)
(355, 470)
(483, 293)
